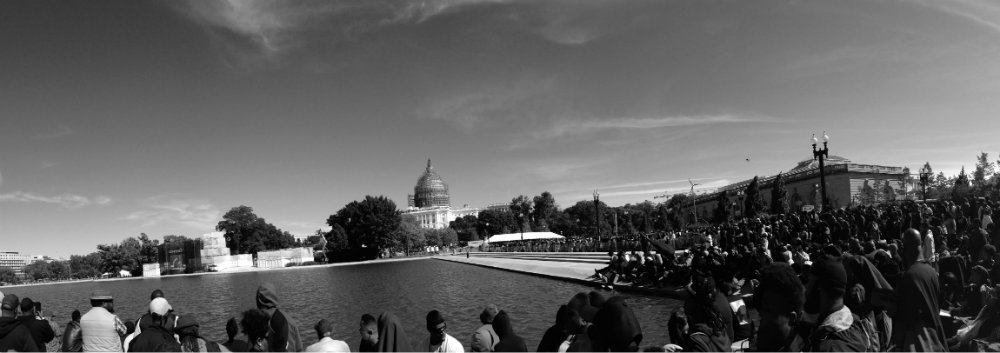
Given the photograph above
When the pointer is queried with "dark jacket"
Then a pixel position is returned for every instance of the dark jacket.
(40, 330)
(615, 327)
(72, 339)
(702, 339)
(285, 334)
(15, 336)
(509, 341)
(391, 336)
(154, 339)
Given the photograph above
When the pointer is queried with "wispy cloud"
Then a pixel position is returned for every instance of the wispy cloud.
(71, 201)
(650, 193)
(178, 210)
(576, 127)
(267, 29)
(61, 131)
(985, 13)
(526, 100)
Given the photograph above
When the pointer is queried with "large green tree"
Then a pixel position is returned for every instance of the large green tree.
(520, 207)
(465, 227)
(722, 207)
(982, 174)
(491, 222)
(246, 233)
(370, 225)
(543, 209)
(779, 196)
(962, 188)
(753, 205)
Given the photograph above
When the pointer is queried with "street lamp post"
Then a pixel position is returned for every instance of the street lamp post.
(821, 154)
(925, 176)
(597, 213)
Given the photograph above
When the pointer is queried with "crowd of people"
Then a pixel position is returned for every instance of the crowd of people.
(903, 277)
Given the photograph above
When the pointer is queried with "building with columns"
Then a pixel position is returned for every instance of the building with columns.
(848, 184)
(430, 202)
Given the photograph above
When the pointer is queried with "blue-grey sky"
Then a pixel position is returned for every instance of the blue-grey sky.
(119, 117)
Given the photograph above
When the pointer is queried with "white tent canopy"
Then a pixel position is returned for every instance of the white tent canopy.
(527, 236)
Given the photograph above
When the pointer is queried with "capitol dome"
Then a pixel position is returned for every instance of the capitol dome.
(812, 163)
(431, 189)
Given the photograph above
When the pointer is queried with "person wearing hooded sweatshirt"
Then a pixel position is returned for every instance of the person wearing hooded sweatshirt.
(13, 335)
(285, 335)
(391, 336)
(581, 304)
(509, 341)
(40, 328)
(615, 328)
(917, 324)
(556, 335)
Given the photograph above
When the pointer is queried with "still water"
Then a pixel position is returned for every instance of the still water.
(408, 289)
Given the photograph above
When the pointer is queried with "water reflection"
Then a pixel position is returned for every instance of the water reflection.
(342, 294)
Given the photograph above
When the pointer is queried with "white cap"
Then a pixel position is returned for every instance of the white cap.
(159, 306)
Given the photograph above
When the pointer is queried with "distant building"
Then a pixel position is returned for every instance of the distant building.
(430, 202)
(14, 261)
(848, 184)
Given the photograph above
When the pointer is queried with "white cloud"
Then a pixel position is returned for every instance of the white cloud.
(272, 28)
(191, 212)
(70, 201)
(985, 13)
(575, 127)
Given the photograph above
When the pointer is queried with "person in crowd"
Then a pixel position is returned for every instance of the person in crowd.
(677, 331)
(255, 324)
(102, 329)
(509, 341)
(709, 306)
(836, 328)
(144, 321)
(156, 337)
(917, 324)
(369, 333)
(191, 340)
(438, 339)
(39, 326)
(710, 316)
(285, 336)
(779, 300)
(581, 304)
(615, 328)
(233, 344)
(556, 334)
(391, 336)
(576, 329)
(13, 335)
(72, 338)
(484, 339)
(326, 343)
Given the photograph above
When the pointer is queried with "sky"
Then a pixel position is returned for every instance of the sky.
(121, 117)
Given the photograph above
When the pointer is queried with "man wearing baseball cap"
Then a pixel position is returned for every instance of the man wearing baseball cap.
(102, 330)
(156, 338)
(13, 335)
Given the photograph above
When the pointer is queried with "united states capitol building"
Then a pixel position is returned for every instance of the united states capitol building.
(430, 202)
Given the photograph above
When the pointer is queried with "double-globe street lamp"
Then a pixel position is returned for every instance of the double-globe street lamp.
(925, 176)
(821, 154)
